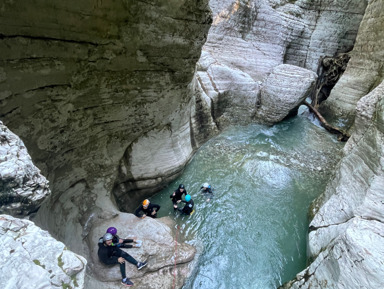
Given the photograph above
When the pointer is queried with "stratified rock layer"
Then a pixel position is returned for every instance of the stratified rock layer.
(31, 258)
(365, 70)
(346, 236)
(283, 91)
(22, 187)
(248, 39)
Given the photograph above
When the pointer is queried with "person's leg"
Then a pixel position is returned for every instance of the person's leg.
(129, 258)
(122, 270)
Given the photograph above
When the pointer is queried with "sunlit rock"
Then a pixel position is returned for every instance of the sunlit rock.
(31, 258)
(22, 187)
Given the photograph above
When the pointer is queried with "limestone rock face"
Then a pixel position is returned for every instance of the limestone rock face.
(159, 249)
(365, 69)
(346, 234)
(248, 39)
(22, 187)
(31, 258)
(283, 91)
(86, 85)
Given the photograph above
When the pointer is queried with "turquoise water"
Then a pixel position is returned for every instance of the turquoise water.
(252, 234)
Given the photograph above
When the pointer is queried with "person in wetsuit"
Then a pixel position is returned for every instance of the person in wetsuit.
(177, 194)
(207, 190)
(147, 209)
(111, 255)
(189, 204)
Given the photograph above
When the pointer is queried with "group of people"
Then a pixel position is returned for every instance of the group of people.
(110, 244)
(150, 210)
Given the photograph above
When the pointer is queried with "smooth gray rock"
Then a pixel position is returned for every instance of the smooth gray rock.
(365, 69)
(31, 258)
(284, 90)
(22, 187)
(248, 39)
(346, 234)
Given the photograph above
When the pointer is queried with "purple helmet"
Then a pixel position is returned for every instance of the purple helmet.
(112, 230)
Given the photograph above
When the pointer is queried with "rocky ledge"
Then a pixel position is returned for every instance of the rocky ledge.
(31, 258)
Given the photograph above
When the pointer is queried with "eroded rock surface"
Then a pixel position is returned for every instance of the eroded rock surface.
(283, 91)
(31, 258)
(346, 236)
(365, 69)
(248, 39)
(22, 187)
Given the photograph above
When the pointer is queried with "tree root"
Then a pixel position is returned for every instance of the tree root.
(342, 136)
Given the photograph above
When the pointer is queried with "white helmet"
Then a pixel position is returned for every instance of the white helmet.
(107, 237)
(205, 185)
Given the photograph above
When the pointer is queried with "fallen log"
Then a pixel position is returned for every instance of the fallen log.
(342, 136)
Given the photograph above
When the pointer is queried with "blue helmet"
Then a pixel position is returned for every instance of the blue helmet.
(188, 198)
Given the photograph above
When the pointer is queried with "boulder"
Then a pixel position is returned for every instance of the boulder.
(284, 90)
(166, 256)
(31, 258)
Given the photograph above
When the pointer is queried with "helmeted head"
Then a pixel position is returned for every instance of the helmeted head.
(188, 198)
(181, 186)
(205, 185)
(107, 237)
(112, 230)
(146, 203)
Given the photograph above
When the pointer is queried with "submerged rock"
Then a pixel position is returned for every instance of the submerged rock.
(31, 258)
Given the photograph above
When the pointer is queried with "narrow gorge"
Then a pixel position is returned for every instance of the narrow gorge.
(104, 103)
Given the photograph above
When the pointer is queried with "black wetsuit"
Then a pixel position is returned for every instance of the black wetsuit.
(177, 196)
(188, 208)
(148, 211)
(109, 255)
(206, 190)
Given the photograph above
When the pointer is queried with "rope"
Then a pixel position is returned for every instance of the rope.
(174, 269)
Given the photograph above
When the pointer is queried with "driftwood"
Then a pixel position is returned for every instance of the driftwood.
(342, 136)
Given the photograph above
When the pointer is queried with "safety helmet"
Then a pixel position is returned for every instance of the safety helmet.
(146, 202)
(112, 230)
(107, 236)
(181, 186)
(205, 185)
(187, 198)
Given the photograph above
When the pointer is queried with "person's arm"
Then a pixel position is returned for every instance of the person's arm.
(138, 212)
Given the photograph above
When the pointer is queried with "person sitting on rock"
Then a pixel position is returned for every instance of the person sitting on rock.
(188, 208)
(207, 190)
(177, 194)
(111, 255)
(122, 243)
(147, 209)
